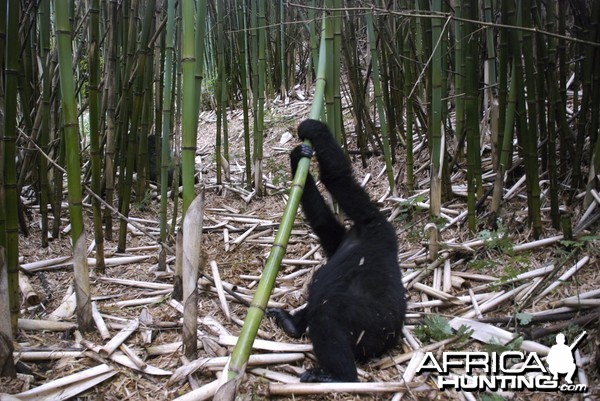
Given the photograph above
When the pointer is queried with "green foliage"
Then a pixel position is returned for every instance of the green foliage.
(583, 242)
(497, 240)
(145, 202)
(513, 345)
(481, 264)
(523, 319)
(278, 171)
(436, 328)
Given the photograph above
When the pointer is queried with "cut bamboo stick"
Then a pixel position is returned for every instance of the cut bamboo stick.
(29, 295)
(33, 356)
(68, 386)
(566, 275)
(266, 345)
(219, 286)
(219, 362)
(50, 325)
(100, 324)
(491, 334)
(117, 340)
(137, 283)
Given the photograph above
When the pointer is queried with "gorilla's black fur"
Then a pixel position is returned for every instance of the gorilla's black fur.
(356, 302)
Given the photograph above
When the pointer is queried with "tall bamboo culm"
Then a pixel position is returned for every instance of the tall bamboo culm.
(71, 139)
(9, 230)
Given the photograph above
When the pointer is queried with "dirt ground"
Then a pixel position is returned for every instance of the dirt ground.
(227, 213)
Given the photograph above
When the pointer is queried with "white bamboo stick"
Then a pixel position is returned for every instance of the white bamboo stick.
(274, 346)
(68, 386)
(566, 275)
(100, 324)
(118, 339)
(219, 286)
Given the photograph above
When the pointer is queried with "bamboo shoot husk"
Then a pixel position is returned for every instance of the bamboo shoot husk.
(192, 251)
(65, 310)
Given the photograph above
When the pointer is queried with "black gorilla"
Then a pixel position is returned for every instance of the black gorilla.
(356, 303)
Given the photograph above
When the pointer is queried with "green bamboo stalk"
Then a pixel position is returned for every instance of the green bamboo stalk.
(136, 116)
(435, 122)
(503, 73)
(111, 87)
(330, 74)
(379, 101)
(530, 137)
(124, 139)
(189, 114)
(337, 68)
(167, 116)
(282, 54)
(355, 84)
(222, 156)
(312, 37)
(44, 17)
(260, 111)
(10, 235)
(244, 58)
(94, 78)
(71, 138)
(507, 137)
(472, 114)
(243, 347)
(459, 80)
(408, 83)
(200, 41)
(553, 94)
(584, 125)
(592, 180)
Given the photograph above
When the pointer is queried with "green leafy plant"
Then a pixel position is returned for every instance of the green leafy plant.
(436, 328)
(523, 318)
(513, 345)
(497, 239)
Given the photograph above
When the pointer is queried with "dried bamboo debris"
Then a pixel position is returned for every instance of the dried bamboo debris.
(437, 284)
(219, 286)
(68, 386)
(99, 321)
(118, 339)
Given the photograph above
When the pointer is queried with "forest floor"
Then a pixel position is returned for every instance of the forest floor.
(477, 276)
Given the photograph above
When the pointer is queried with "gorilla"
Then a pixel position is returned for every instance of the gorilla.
(356, 304)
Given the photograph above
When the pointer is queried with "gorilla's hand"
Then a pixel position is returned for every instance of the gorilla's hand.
(299, 152)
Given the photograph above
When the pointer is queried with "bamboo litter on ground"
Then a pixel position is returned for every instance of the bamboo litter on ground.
(556, 287)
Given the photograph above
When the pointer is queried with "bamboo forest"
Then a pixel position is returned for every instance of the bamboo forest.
(151, 221)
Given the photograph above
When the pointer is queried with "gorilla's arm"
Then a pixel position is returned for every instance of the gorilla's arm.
(336, 174)
(319, 215)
